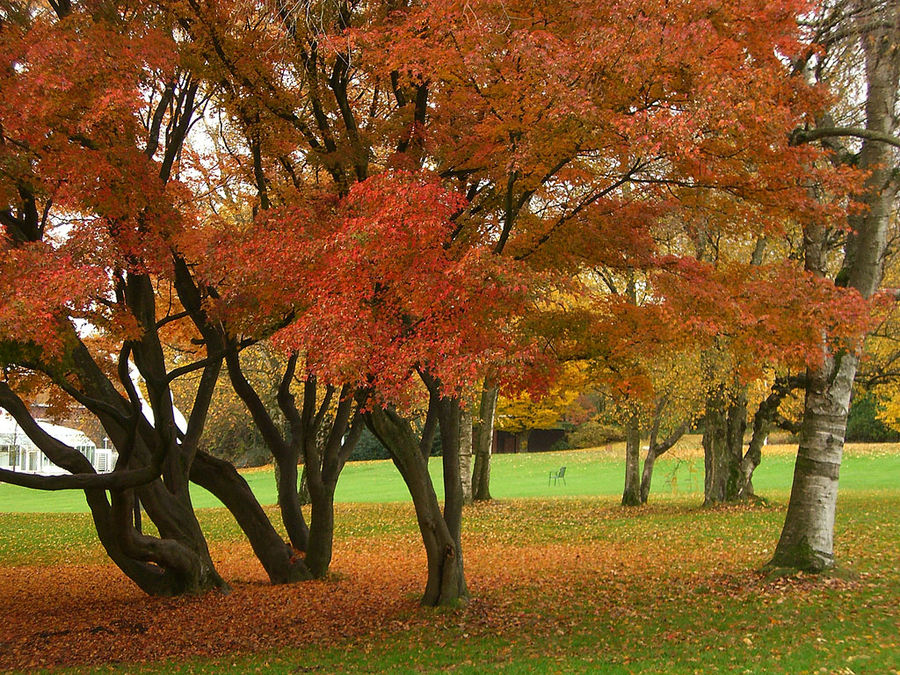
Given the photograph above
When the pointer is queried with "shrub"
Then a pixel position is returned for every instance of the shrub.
(863, 424)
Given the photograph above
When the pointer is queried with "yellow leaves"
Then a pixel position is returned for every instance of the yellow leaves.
(544, 412)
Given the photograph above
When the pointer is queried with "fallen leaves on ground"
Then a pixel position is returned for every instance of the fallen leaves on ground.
(542, 588)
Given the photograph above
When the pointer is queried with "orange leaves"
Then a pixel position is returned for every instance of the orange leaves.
(39, 287)
(771, 314)
(374, 285)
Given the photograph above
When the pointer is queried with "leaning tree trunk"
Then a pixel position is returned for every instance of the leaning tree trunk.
(440, 531)
(483, 439)
(631, 496)
(763, 420)
(222, 480)
(654, 450)
(807, 539)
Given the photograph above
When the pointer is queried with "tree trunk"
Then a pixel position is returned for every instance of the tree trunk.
(465, 453)
(150, 578)
(655, 449)
(445, 584)
(483, 441)
(807, 539)
(181, 545)
(321, 531)
(632, 493)
(324, 459)
(177, 561)
(223, 481)
(647, 474)
(303, 490)
(724, 425)
(762, 423)
(453, 582)
(286, 475)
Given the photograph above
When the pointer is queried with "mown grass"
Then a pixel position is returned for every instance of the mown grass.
(688, 599)
(580, 584)
(594, 472)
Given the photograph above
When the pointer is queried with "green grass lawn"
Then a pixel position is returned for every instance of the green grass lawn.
(577, 583)
(590, 473)
(686, 601)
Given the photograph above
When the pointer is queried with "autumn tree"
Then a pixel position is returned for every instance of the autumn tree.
(859, 42)
(96, 109)
(506, 106)
(569, 156)
(417, 180)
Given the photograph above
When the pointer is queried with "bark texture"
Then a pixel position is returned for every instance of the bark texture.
(807, 539)
(724, 424)
(631, 496)
(465, 453)
(482, 441)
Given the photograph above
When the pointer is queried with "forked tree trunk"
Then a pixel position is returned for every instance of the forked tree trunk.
(324, 460)
(175, 562)
(724, 424)
(631, 496)
(445, 584)
(483, 438)
(807, 540)
(654, 450)
(763, 420)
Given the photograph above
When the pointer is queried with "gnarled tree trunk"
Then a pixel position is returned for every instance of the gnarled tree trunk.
(724, 424)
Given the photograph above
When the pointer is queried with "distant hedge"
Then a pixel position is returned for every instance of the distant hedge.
(863, 425)
(370, 447)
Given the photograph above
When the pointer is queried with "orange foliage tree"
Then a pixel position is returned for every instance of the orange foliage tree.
(405, 184)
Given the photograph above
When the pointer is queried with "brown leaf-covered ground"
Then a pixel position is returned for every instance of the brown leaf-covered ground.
(543, 576)
(92, 614)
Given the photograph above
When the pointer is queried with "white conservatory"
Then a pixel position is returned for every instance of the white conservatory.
(18, 453)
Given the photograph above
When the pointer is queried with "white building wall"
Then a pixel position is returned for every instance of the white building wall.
(18, 453)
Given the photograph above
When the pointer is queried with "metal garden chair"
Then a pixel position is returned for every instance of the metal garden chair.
(557, 476)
